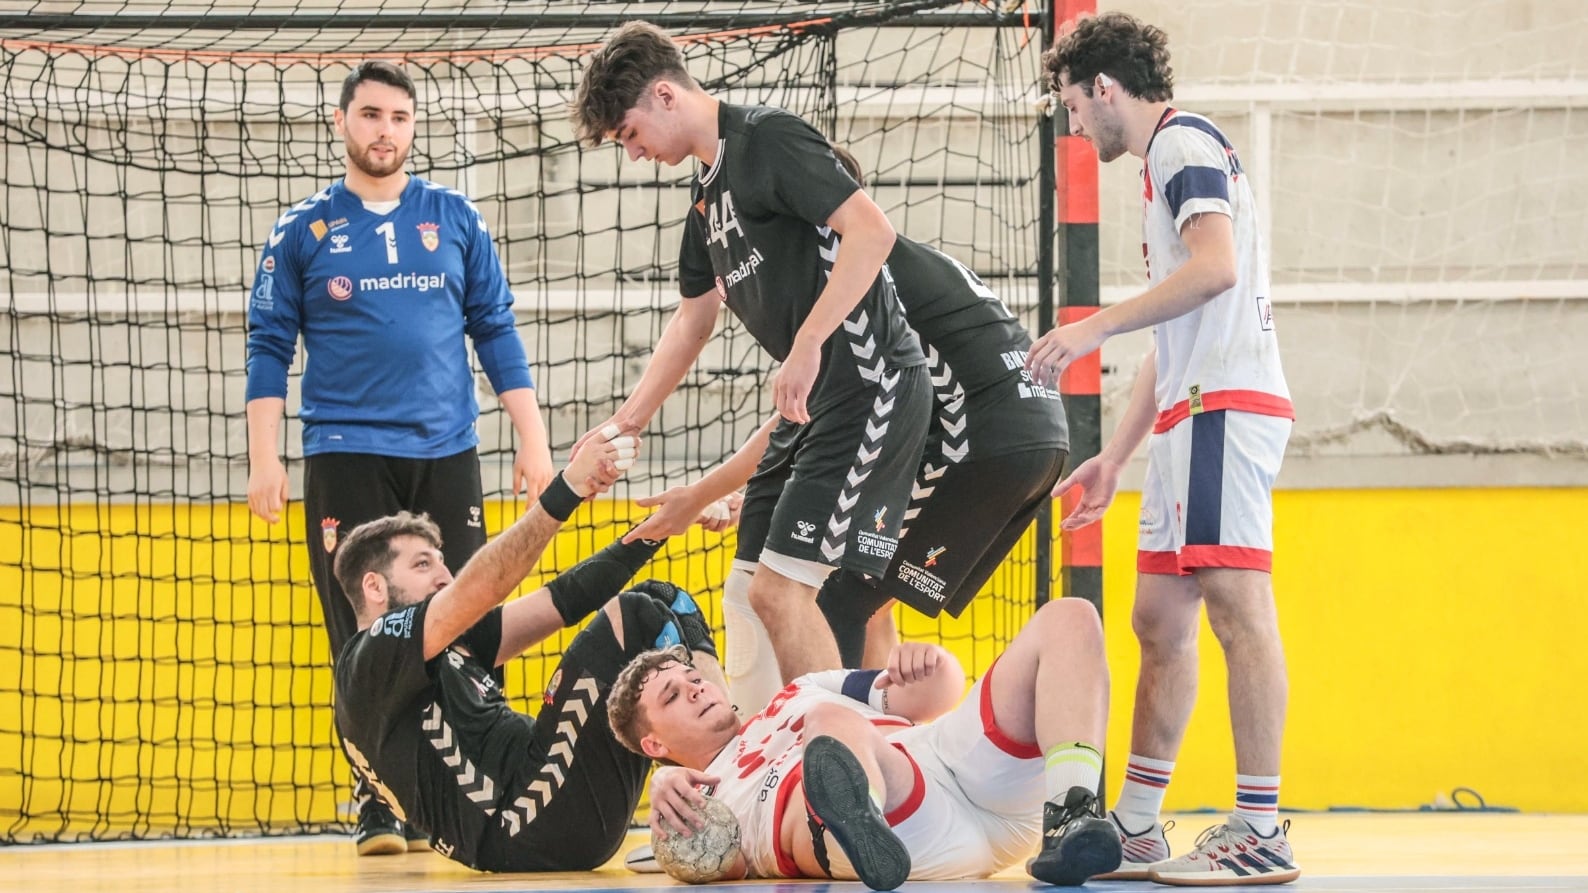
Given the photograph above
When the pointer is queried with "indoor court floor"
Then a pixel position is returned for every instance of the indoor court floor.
(1346, 852)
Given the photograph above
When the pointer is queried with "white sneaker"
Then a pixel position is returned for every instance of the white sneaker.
(642, 860)
(1141, 850)
(1230, 854)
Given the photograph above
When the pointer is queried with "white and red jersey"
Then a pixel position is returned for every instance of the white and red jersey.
(1224, 354)
(762, 766)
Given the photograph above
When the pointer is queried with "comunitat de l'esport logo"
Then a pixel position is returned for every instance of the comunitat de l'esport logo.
(341, 287)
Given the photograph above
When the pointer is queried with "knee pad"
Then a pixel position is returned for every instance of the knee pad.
(848, 599)
(751, 665)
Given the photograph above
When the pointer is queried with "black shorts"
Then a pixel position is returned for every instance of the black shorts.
(343, 490)
(834, 489)
(964, 522)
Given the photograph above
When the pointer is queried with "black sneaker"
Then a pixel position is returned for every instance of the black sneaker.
(418, 841)
(839, 795)
(1077, 842)
(378, 832)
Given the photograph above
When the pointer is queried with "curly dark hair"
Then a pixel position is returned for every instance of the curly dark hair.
(628, 722)
(1119, 45)
(617, 74)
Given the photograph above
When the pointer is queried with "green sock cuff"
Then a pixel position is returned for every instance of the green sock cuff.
(1073, 752)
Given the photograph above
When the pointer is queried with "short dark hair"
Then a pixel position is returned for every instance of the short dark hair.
(628, 722)
(618, 74)
(850, 164)
(1119, 45)
(368, 548)
(381, 73)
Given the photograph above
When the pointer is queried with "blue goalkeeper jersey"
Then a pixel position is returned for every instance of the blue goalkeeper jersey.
(383, 302)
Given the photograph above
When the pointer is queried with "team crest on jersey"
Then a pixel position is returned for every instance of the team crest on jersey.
(931, 555)
(430, 235)
(268, 264)
(319, 229)
(722, 288)
(340, 288)
(328, 528)
(878, 518)
(553, 685)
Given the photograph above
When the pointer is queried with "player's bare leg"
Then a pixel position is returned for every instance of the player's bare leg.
(881, 635)
(796, 626)
(1051, 687)
(1242, 614)
(1051, 684)
(1165, 619)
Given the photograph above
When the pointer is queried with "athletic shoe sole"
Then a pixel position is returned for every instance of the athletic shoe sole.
(1225, 878)
(1083, 853)
(389, 843)
(838, 792)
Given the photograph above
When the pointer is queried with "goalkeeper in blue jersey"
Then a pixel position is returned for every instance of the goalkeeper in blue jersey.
(383, 274)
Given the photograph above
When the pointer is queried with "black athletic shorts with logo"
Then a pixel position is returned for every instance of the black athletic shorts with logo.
(834, 490)
(965, 522)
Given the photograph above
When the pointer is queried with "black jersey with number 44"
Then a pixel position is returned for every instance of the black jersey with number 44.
(757, 233)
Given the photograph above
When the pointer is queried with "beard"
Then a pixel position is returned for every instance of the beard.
(361, 159)
(1109, 140)
(396, 596)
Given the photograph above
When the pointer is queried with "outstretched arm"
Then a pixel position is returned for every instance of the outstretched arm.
(682, 340)
(1098, 477)
(504, 562)
(679, 507)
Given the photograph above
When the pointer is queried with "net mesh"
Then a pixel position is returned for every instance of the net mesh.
(163, 669)
(1418, 168)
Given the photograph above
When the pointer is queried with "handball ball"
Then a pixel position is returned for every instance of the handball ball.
(706, 854)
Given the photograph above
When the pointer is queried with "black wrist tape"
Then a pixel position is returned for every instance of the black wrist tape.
(581, 590)
(559, 500)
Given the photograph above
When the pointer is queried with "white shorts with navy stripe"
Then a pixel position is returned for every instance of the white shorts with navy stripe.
(1208, 498)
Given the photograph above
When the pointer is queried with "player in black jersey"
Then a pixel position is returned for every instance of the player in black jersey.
(998, 444)
(768, 205)
(419, 700)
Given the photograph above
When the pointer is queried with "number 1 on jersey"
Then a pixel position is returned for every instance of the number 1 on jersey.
(390, 232)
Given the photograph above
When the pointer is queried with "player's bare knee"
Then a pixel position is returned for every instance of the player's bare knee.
(837, 721)
(1241, 622)
(1164, 632)
(1072, 618)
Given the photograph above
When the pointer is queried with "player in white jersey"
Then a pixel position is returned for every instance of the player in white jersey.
(964, 794)
(1213, 397)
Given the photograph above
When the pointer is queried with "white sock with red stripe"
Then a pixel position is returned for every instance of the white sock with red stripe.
(1141, 799)
(1257, 801)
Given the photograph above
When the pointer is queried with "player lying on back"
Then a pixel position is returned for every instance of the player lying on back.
(798, 774)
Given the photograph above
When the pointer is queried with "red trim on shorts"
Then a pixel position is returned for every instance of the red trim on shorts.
(1158, 563)
(917, 792)
(1243, 557)
(989, 726)
(1255, 402)
(785, 860)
